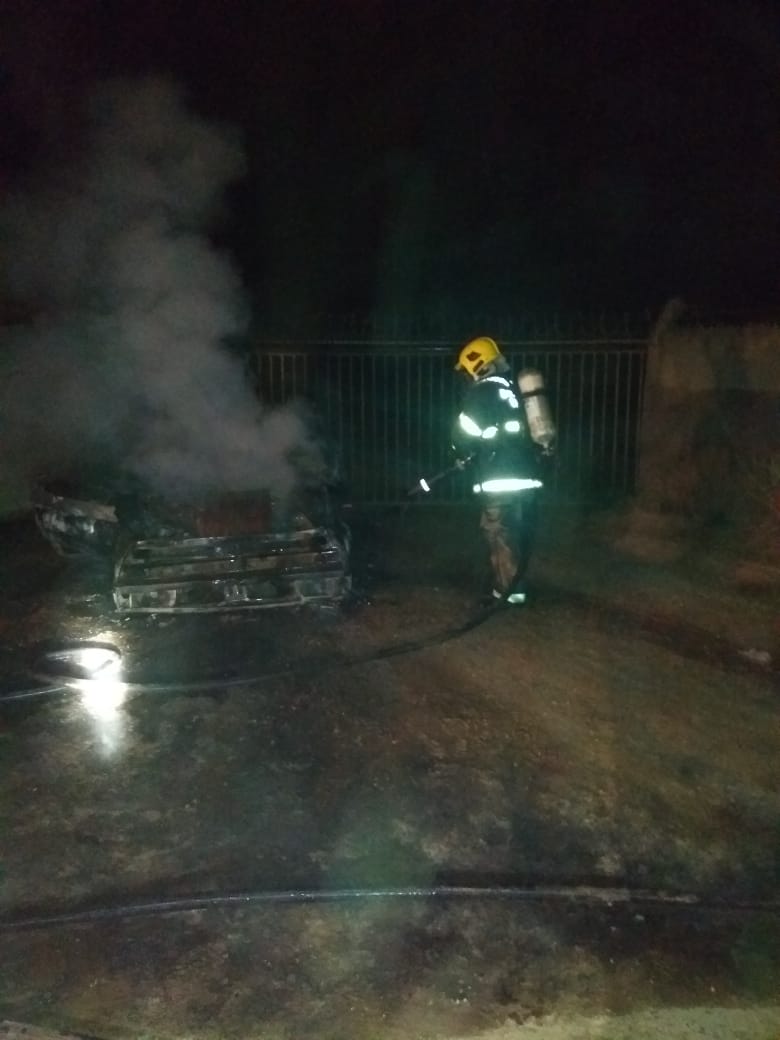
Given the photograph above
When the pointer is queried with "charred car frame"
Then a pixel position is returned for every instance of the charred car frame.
(236, 551)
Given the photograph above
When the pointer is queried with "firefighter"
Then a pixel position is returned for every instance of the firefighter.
(493, 442)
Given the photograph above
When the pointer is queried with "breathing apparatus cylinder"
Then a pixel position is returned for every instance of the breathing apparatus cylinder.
(537, 408)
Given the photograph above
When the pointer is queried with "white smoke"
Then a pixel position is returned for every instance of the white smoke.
(126, 364)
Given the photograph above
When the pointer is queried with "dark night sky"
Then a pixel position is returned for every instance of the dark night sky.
(497, 155)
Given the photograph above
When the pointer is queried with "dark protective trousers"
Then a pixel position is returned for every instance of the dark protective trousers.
(508, 524)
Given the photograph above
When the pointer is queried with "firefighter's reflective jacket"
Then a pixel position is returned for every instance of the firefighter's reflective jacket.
(491, 430)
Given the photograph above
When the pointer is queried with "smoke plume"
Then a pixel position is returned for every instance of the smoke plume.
(124, 366)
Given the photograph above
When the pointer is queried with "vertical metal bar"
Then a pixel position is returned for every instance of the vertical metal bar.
(631, 422)
(592, 438)
(568, 477)
(375, 419)
(628, 401)
(379, 412)
(374, 426)
(410, 418)
(429, 456)
(602, 456)
(560, 419)
(343, 406)
(343, 370)
(640, 404)
(441, 410)
(435, 414)
(391, 441)
(367, 423)
(570, 413)
(615, 417)
(396, 448)
(356, 431)
(335, 362)
(346, 424)
(581, 426)
(332, 392)
(385, 409)
(364, 468)
(417, 456)
(335, 419)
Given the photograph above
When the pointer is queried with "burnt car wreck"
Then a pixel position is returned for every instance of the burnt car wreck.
(234, 551)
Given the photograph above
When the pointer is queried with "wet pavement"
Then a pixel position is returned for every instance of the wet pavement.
(614, 735)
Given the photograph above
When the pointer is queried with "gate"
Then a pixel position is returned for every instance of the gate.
(390, 406)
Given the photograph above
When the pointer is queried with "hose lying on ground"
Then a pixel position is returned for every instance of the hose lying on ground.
(587, 895)
(573, 894)
(52, 684)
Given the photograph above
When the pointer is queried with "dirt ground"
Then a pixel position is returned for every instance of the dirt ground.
(620, 732)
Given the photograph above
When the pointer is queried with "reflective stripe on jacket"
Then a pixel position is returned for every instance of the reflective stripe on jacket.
(492, 427)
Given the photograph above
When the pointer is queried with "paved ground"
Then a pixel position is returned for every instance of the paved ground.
(621, 732)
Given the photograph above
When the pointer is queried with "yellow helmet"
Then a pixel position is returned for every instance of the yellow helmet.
(476, 354)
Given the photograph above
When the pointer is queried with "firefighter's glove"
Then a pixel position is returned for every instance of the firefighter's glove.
(461, 463)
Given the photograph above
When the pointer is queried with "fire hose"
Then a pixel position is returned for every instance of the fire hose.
(571, 894)
(54, 681)
(104, 655)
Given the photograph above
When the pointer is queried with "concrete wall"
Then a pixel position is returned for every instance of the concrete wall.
(710, 437)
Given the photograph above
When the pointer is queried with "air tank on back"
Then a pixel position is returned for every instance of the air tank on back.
(537, 407)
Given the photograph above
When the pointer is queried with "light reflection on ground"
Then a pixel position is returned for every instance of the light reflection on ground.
(102, 701)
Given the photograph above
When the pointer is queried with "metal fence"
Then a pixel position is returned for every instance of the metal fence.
(390, 405)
